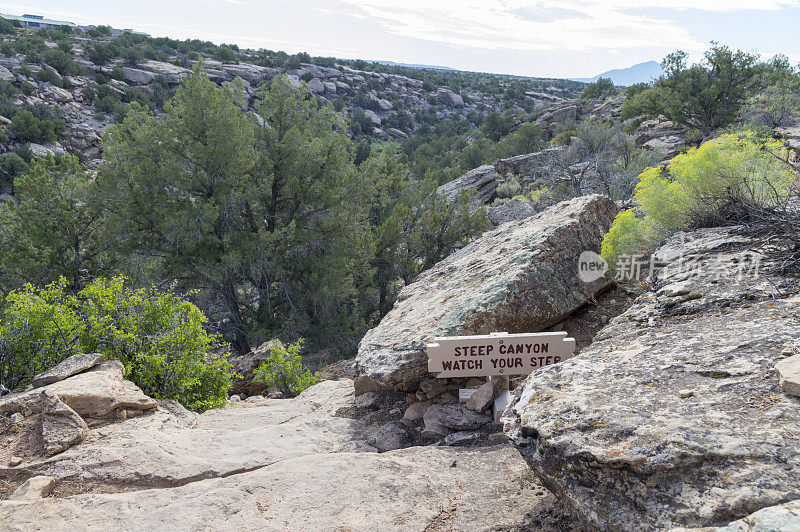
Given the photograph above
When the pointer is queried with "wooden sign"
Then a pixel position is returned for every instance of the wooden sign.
(497, 353)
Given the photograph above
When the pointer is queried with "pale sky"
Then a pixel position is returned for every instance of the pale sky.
(568, 38)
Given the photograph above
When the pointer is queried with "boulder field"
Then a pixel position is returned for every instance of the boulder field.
(675, 416)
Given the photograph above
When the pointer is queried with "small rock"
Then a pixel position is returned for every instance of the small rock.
(33, 488)
(789, 374)
(685, 394)
(458, 438)
(432, 425)
(787, 351)
(394, 435)
(14, 461)
(367, 400)
(61, 426)
(458, 417)
(364, 384)
(485, 395)
(69, 367)
(416, 410)
(17, 418)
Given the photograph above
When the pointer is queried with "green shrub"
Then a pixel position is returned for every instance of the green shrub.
(117, 73)
(49, 75)
(602, 88)
(157, 335)
(284, 370)
(62, 61)
(715, 184)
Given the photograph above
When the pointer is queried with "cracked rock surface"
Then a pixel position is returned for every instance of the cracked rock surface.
(267, 464)
(674, 416)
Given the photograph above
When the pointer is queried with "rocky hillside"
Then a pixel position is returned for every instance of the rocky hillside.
(82, 82)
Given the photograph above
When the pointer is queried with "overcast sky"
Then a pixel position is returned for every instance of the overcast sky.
(565, 38)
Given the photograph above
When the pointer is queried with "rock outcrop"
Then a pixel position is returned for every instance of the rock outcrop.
(520, 277)
(674, 415)
(95, 394)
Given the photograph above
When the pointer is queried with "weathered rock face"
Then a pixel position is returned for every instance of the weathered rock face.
(62, 427)
(514, 209)
(779, 518)
(520, 277)
(480, 182)
(171, 73)
(674, 415)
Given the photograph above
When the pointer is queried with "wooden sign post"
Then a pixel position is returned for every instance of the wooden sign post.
(497, 355)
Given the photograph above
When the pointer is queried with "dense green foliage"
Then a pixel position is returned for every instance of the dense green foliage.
(52, 231)
(158, 336)
(710, 185)
(284, 370)
(269, 219)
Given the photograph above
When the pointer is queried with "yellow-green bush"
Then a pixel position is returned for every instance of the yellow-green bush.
(284, 370)
(158, 336)
(699, 187)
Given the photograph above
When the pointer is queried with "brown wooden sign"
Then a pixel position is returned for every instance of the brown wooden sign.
(497, 353)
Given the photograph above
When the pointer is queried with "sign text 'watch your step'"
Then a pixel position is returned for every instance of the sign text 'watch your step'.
(497, 353)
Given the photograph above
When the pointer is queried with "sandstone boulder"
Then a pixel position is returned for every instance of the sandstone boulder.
(69, 367)
(61, 426)
(7, 75)
(253, 74)
(481, 183)
(520, 277)
(95, 394)
(33, 489)
(245, 365)
(316, 85)
(608, 430)
(514, 209)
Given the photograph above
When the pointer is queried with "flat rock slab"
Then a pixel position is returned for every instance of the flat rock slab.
(520, 277)
(69, 367)
(610, 431)
(158, 449)
(419, 488)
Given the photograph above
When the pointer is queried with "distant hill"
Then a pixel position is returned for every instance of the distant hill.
(646, 71)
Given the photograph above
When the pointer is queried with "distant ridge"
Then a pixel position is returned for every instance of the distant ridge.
(642, 72)
(412, 65)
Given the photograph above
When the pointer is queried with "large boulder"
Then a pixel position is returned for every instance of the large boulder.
(138, 76)
(95, 394)
(674, 416)
(481, 183)
(171, 73)
(520, 277)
